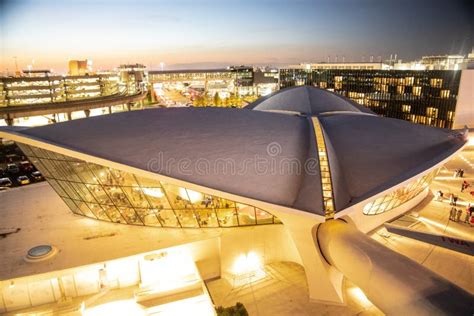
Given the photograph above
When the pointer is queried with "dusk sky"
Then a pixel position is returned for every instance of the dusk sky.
(215, 33)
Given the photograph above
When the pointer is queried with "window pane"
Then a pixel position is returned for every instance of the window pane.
(84, 209)
(59, 190)
(116, 194)
(72, 206)
(156, 198)
(51, 168)
(246, 214)
(207, 218)
(99, 193)
(264, 217)
(82, 190)
(177, 196)
(25, 149)
(123, 178)
(39, 166)
(148, 216)
(103, 174)
(83, 172)
(61, 167)
(114, 214)
(38, 152)
(222, 203)
(227, 217)
(197, 199)
(98, 211)
(130, 216)
(69, 190)
(167, 218)
(136, 197)
(186, 218)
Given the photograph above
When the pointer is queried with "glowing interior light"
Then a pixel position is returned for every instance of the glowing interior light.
(191, 196)
(154, 192)
(247, 263)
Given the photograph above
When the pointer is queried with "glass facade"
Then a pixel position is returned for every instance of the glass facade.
(398, 197)
(425, 97)
(326, 182)
(112, 195)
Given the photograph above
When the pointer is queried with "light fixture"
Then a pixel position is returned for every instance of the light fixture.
(154, 192)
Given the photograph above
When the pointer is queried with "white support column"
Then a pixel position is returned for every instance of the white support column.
(324, 282)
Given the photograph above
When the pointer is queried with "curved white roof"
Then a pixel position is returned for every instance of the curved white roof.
(307, 100)
(253, 153)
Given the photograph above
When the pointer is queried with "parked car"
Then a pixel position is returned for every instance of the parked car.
(12, 168)
(26, 166)
(23, 180)
(5, 182)
(37, 176)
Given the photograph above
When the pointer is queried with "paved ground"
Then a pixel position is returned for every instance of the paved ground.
(284, 291)
(433, 216)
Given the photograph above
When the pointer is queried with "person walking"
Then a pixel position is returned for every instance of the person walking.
(468, 215)
(452, 214)
(458, 215)
(455, 200)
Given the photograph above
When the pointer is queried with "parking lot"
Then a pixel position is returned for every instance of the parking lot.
(15, 169)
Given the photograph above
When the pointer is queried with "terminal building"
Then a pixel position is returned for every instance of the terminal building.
(304, 173)
(237, 80)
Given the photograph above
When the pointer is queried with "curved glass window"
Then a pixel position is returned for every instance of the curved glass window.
(112, 195)
(398, 197)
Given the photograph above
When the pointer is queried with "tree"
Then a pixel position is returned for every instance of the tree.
(199, 101)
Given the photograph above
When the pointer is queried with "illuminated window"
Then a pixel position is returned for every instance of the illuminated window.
(444, 94)
(406, 108)
(112, 195)
(436, 82)
(450, 115)
(432, 112)
(326, 181)
(416, 91)
(398, 197)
